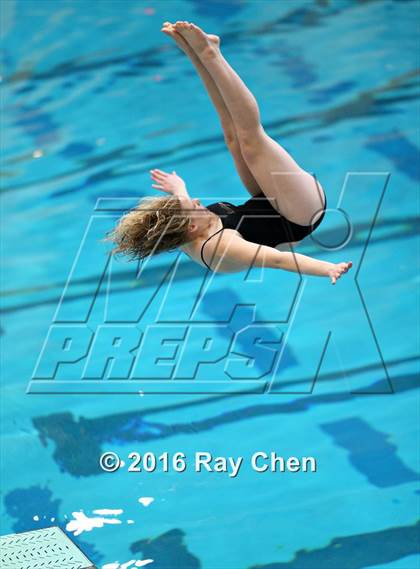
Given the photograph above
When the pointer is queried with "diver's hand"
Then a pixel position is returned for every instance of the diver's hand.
(337, 270)
(169, 183)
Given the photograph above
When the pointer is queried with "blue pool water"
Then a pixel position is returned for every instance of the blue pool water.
(93, 97)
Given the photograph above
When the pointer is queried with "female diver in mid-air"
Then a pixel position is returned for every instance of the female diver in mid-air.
(224, 237)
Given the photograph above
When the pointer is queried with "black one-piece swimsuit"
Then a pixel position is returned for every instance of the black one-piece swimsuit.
(258, 221)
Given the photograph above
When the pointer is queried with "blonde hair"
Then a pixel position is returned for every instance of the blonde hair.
(155, 225)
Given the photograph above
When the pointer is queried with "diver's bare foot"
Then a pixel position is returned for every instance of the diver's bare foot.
(182, 43)
(169, 29)
(200, 42)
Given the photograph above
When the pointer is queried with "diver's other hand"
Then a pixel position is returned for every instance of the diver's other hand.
(169, 183)
(337, 270)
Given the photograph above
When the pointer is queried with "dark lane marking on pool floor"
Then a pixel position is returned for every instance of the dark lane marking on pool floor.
(370, 452)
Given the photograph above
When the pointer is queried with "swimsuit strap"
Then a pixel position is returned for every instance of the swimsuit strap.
(202, 247)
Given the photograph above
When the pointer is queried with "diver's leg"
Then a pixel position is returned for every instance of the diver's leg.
(228, 126)
(293, 191)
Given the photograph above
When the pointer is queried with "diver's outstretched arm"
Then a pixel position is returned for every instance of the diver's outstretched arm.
(231, 253)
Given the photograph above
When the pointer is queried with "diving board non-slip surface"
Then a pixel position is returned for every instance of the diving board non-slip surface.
(48, 548)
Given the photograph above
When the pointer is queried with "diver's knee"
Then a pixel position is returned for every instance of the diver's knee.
(250, 140)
